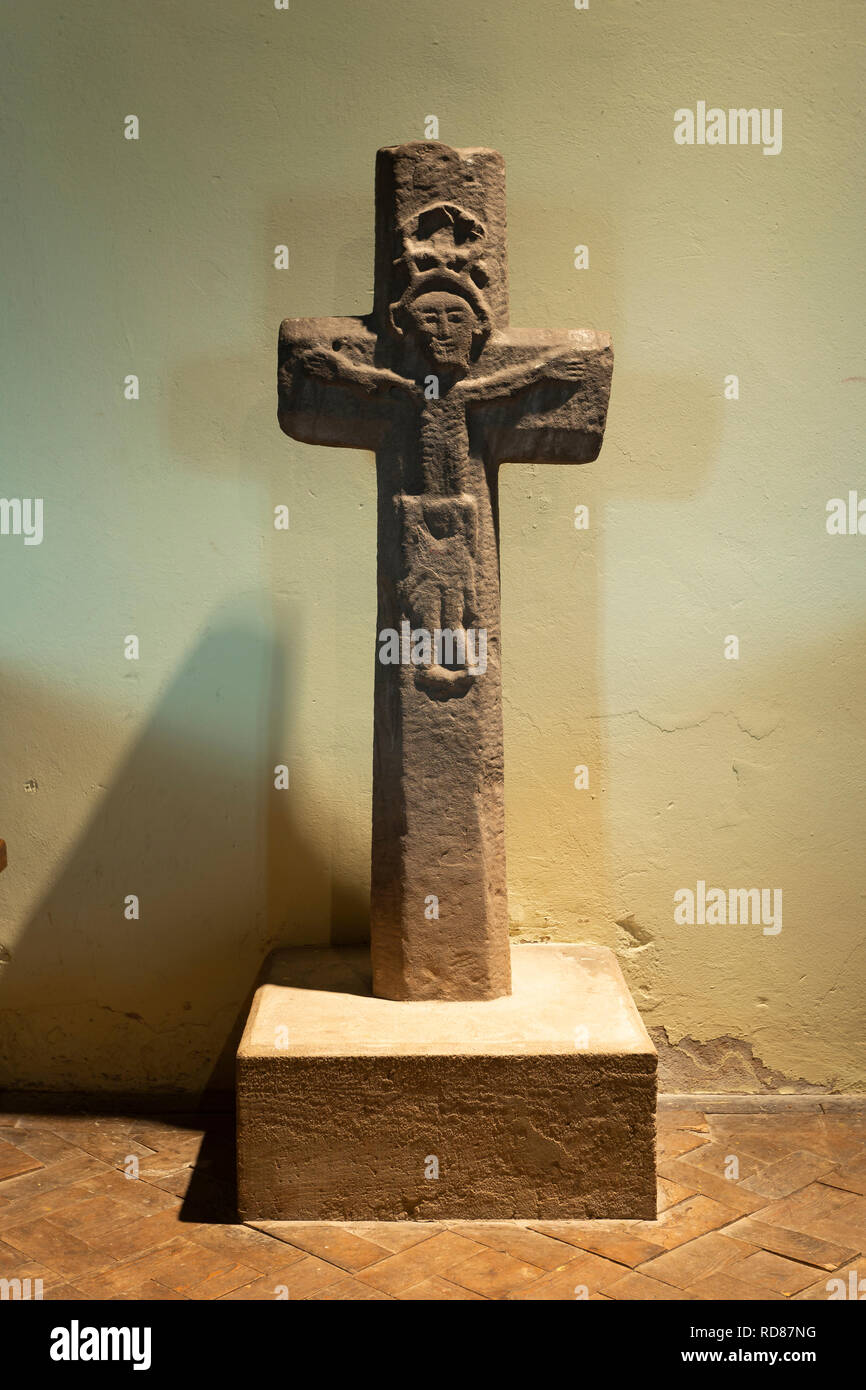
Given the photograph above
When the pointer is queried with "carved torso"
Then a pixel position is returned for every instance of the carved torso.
(443, 444)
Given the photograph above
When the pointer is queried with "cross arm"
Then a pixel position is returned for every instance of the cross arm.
(330, 390)
(543, 396)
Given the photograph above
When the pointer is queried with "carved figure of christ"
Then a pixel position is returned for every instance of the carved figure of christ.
(443, 391)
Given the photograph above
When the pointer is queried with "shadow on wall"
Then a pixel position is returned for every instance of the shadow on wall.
(223, 869)
(192, 825)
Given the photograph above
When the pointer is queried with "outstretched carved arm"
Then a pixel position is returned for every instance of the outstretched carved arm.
(337, 367)
(558, 365)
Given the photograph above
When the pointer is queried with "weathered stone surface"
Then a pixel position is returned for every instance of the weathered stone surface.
(537, 1105)
(436, 382)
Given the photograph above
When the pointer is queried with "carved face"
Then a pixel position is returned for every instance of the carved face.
(443, 324)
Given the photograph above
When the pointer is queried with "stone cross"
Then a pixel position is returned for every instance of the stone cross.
(443, 390)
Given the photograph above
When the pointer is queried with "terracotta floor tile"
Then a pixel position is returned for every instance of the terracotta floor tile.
(222, 1281)
(714, 1159)
(29, 1209)
(729, 1193)
(493, 1273)
(670, 1193)
(521, 1242)
(11, 1259)
(55, 1178)
(790, 1131)
(24, 1123)
(166, 1137)
(826, 1288)
(845, 1136)
(689, 1219)
(439, 1290)
(150, 1292)
(771, 1271)
(14, 1161)
(720, 1286)
(26, 1268)
(581, 1279)
(332, 1243)
(795, 1244)
(672, 1143)
(803, 1209)
(120, 1279)
(676, 1117)
(845, 1182)
(395, 1235)
(305, 1279)
(434, 1256)
(634, 1286)
(749, 1143)
(190, 1265)
(842, 1142)
(166, 1162)
(846, 1224)
(40, 1144)
(112, 1146)
(752, 1146)
(43, 1240)
(788, 1174)
(75, 1129)
(263, 1253)
(614, 1240)
(176, 1183)
(261, 1290)
(91, 1218)
(142, 1198)
(140, 1234)
(839, 1232)
(688, 1263)
(850, 1176)
(350, 1290)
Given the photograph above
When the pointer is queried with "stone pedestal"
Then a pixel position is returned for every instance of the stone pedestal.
(540, 1104)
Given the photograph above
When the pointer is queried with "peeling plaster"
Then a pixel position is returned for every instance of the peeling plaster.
(722, 1064)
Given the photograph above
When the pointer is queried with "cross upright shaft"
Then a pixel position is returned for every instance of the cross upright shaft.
(436, 382)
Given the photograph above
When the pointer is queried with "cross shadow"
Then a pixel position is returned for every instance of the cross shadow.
(211, 1198)
(223, 870)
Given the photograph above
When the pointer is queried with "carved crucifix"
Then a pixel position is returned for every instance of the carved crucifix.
(443, 390)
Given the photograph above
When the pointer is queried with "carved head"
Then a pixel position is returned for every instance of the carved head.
(443, 326)
(445, 317)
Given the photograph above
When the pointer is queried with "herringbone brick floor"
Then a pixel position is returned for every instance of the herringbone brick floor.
(788, 1218)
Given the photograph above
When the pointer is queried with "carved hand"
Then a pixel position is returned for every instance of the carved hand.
(564, 368)
(319, 361)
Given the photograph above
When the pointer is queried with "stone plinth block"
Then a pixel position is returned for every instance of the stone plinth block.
(537, 1104)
